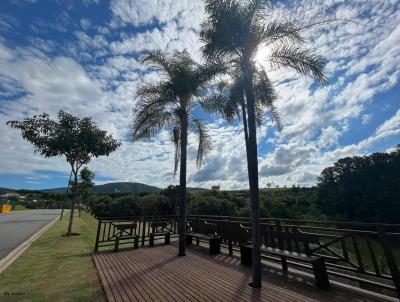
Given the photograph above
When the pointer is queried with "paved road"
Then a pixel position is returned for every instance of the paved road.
(16, 227)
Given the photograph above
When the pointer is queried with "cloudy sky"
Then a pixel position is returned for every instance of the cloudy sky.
(82, 57)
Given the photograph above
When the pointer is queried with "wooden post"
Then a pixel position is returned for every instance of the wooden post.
(167, 238)
(390, 259)
(143, 230)
(320, 273)
(96, 247)
(136, 242)
(116, 246)
(284, 263)
(279, 230)
(151, 240)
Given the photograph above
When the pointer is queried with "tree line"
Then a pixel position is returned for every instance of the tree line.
(359, 188)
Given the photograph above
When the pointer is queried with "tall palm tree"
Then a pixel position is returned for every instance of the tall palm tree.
(169, 104)
(236, 30)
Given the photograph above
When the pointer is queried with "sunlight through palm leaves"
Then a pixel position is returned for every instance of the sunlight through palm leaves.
(236, 31)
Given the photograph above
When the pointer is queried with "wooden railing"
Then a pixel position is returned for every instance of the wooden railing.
(367, 255)
(109, 229)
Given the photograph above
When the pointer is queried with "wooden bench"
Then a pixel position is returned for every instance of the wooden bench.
(125, 231)
(201, 230)
(278, 243)
(233, 233)
(158, 230)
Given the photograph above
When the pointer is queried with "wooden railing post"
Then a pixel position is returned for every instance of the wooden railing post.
(279, 230)
(143, 230)
(96, 246)
(390, 259)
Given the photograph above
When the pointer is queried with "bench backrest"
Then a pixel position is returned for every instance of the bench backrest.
(158, 226)
(125, 229)
(203, 227)
(293, 240)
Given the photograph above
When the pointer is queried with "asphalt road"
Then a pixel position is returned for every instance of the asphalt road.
(16, 227)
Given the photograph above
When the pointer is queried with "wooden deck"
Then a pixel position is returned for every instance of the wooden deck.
(158, 274)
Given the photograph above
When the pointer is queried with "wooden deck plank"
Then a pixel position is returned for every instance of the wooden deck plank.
(134, 286)
(232, 278)
(158, 274)
(106, 285)
(140, 267)
(225, 290)
(199, 283)
(118, 290)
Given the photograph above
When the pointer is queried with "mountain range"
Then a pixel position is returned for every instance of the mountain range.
(121, 187)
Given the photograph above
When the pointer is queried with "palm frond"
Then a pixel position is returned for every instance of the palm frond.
(282, 32)
(301, 60)
(207, 72)
(224, 29)
(204, 139)
(158, 59)
(149, 122)
(265, 98)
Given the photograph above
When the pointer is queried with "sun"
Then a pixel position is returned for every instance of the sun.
(262, 56)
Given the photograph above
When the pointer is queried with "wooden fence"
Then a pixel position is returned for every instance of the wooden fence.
(364, 254)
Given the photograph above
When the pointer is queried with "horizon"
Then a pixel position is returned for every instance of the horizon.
(82, 57)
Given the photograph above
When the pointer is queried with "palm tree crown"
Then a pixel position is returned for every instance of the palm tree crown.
(235, 31)
(169, 102)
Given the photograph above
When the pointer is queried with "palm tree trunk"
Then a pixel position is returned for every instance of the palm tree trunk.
(71, 217)
(182, 187)
(245, 126)
(252, 167)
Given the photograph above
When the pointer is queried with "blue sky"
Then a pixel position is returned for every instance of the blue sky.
(82, 57)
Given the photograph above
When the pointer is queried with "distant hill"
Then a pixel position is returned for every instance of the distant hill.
(122, 187)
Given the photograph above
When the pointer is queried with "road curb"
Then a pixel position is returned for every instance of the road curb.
(15, 253)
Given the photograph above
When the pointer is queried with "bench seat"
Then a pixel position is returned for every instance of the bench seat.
(214, 242)
(135, 239)
(318, 263)
(165, 235)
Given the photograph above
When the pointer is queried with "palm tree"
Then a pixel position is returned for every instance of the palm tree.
(235, 31)
(169, 104)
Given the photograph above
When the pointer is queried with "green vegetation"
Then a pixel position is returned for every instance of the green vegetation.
(363, 188)
(19, 207)
(357, 186)
(121, 187)
(56, 267)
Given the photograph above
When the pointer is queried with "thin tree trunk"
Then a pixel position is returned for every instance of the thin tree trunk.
(80, 206)
(66, 196)
(182, 188)
(71, 217)
(252, 166)
(245, 126)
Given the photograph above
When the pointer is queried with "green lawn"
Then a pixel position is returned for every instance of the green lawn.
(55, 267)
(20, 207)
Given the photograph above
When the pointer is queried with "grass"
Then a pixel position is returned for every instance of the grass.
(19, 207)
(56, 267)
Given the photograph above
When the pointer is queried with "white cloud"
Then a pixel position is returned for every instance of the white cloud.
(139, 13)
(85, 23)
(98, 74)
(366, 118)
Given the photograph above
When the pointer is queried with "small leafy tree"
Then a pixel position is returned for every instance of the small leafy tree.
(85, 183)
(78, 140)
